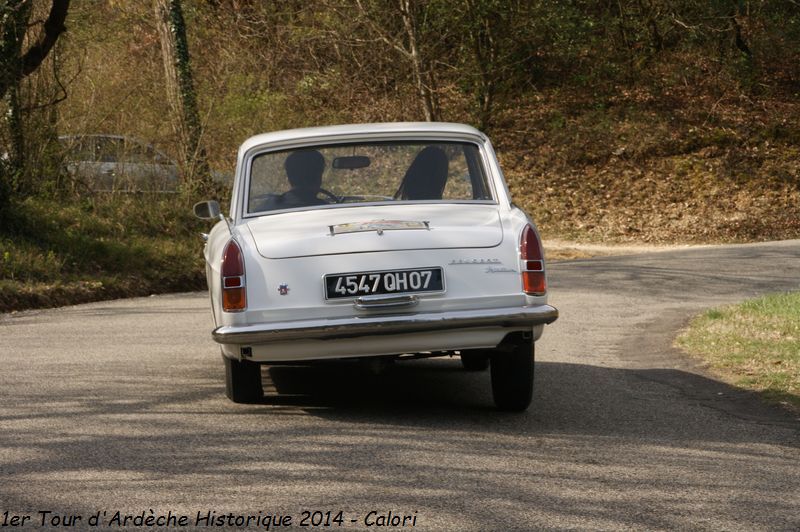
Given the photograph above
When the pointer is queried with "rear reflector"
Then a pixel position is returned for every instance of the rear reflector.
(234, 282)
(534, 282)
(234, 292)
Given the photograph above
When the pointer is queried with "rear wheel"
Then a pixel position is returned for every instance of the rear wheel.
(512, 375)
(475, 360)
(243, 381)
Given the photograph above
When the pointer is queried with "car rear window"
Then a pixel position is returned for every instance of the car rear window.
(366, 173)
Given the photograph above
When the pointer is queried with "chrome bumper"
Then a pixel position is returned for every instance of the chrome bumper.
(330, 329)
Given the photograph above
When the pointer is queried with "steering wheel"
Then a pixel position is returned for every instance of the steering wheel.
(330, 195)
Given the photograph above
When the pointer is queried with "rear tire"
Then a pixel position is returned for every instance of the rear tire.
(475, 360)
(512, 376)
(243, 381)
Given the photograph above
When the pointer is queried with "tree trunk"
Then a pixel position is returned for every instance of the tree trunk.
(485, 49)
(181, 95)
(16, 153)
(15, 15)
(14, 66)
(13, 165)
(424, 91)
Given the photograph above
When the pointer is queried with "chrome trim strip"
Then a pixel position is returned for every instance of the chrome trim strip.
(329, 329)
(379, 226)
(385, 301)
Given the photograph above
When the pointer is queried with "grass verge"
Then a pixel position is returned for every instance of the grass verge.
(60, 252)
(754, 345)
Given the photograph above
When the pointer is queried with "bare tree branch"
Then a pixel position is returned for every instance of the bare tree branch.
(53, 27)
(381, 34)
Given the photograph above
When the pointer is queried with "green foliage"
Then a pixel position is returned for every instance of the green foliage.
(755, 344)
(139, 244)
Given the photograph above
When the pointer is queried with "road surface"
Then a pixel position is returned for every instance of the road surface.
(119, 407)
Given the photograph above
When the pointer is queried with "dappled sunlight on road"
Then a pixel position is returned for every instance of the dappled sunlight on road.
(120, 406)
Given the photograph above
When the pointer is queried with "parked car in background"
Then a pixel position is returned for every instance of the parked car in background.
(107, 163)
(386, 241)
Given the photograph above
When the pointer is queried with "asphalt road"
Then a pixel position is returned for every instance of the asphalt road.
(119, 406)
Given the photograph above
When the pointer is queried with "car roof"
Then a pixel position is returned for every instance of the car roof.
(94, 136)
(360, 131)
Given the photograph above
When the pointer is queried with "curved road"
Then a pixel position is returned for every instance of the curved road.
(119, 406)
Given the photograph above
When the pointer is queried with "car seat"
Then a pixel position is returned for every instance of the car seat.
(425, 179)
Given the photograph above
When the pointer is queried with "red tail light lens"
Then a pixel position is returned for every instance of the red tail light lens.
(234, 292)
(530, 251)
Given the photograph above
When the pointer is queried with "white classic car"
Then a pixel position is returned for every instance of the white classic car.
(375, 240)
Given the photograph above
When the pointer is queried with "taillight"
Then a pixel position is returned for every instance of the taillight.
(234, 295)
(530, 251)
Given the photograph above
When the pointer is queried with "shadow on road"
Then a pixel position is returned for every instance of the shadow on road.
(568, 397)
(423, 435)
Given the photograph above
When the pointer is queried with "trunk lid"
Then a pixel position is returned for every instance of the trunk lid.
(376, 228)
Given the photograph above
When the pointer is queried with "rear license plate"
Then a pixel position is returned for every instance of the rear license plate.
(412, 281)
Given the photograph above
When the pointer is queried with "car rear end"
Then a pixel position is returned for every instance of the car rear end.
(409, 246)
(449, 285)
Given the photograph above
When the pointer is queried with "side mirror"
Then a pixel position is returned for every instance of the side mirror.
(207, 210)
